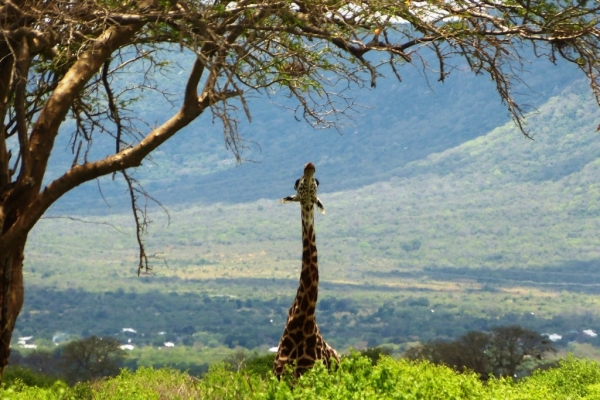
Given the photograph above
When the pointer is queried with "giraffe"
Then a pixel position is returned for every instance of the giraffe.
(301, 343)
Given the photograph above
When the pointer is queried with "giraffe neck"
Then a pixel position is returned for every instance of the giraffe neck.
(309, 276)
(301, 343)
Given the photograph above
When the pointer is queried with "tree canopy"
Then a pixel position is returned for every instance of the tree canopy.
(504, 351)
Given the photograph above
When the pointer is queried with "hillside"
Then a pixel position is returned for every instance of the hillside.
(497, 230)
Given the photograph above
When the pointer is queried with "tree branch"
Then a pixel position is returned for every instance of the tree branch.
(57, 106)
(141, 223)
(114, 111)
(127, 158)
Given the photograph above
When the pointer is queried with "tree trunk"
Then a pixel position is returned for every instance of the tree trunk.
(11, 298)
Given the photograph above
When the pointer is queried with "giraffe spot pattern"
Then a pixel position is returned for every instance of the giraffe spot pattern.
(294, 324)
(301, 343)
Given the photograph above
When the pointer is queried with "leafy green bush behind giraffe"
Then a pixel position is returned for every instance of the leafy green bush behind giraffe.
(357, 378)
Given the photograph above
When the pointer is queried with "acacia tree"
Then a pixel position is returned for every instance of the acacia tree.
(61, 62)
(91, 358)
(503, 351)
(512, 345)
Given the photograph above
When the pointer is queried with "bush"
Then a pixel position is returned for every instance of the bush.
(356, 378)
(91, 358)
(146, 383)
(573, 378)
(375, 353)
(19, 391)
(261, 365)
(26, 376)
(508, 351)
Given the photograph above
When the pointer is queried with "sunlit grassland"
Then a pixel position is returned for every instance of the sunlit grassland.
(526, 225)
(100, 257)
(543, 231)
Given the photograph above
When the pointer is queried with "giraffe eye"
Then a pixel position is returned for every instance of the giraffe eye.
(316, 180)
(296, 184)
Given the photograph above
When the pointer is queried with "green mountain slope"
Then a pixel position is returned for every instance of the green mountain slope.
(564, 141)
(502, 200)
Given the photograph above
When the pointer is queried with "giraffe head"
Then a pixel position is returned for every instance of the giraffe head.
(306, 190)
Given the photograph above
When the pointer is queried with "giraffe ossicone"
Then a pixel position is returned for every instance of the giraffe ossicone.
(301, 343)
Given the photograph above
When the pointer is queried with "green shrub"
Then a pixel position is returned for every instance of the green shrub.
(146, 383)
(261, 365)
(375, 353)
(27, 377)
(573, 378)
(19, 391)
(356, 378)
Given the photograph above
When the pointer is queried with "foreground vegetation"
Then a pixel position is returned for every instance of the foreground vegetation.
(356, 378)
(508, 351)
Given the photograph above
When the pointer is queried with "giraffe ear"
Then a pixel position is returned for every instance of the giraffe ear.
(288, 199)
(320, 206)
(296, 184)
(316, 180)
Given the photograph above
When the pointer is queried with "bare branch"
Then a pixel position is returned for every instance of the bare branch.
(140, 216)
(116, 228)
(114, 111)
